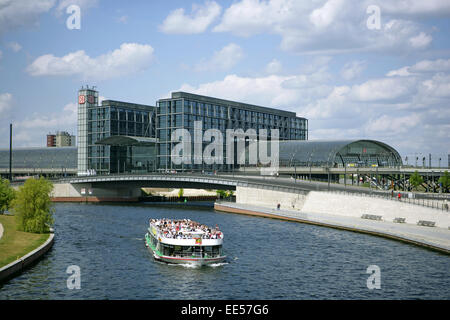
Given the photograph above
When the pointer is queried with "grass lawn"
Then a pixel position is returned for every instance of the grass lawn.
(15, 244)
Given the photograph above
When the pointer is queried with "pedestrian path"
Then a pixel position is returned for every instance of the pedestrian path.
(431, 237)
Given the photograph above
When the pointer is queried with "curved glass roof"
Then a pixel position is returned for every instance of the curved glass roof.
(127, 141)
(40, 158)
(337, 152)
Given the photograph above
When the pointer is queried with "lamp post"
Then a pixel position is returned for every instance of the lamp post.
(10, 152)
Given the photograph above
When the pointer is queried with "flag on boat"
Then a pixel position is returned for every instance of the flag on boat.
(198, 241)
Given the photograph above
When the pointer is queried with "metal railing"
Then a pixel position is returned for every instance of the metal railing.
(429, 203)
(194, 255)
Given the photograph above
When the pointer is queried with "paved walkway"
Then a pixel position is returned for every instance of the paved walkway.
(1, 230)
(434, 237)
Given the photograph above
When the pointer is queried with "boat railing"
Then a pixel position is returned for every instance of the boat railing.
(196, 236)
(203, 255)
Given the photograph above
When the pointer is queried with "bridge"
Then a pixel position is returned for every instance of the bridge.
(221, 181)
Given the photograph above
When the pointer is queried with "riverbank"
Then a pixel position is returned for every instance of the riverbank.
(18, 249)
(433, 238)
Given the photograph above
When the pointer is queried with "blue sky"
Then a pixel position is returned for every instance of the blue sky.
(317, 58)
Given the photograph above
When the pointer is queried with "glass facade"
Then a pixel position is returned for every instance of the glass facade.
(183, 109)
(115, 118)
(36, 159)
(338, 153)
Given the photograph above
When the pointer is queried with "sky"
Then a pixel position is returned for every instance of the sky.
(355, 69)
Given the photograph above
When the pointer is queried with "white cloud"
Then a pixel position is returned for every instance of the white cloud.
(438, 65)
(100, 99)
(222, 60)
(325, 15)
(31, 131)
(384, 89)
(422, 40)
(128, 59)
(65, 118)
(402, 72)
(274, 67)
(19, 13)
(395, 125)
(333, 26)
(201, 17)
(250, 17)
(422, 67)
(353, 69)
(416, 7)
(83, 4)
(290, 91)
(437, 86)
(14, 46)
(122, 19)
(266, 91)
(409, 112)
(5, 102)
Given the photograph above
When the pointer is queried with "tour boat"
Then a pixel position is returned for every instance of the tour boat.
(184, 242)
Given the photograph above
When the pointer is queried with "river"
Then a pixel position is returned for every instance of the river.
(267, 259)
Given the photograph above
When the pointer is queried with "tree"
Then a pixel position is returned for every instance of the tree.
(33, 207)
(445, 181)
(230, 193)
(224, 193)
(415, 179)
(7, 194)
(221, 194)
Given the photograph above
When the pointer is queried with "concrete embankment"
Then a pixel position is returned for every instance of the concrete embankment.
(24, 262)
(394, 219)
(66, 192)
(346, 205)
(437, 239)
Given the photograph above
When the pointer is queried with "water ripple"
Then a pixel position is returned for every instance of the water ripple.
(267, 259)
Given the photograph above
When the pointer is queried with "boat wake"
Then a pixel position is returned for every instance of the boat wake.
(215, 265)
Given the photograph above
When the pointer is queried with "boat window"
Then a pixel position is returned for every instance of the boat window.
(167, 249)
(216, 250)
(207, 251)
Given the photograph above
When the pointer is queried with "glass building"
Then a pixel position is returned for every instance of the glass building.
(182, 109)
(338, 153)
(36, 160)
(115, 136)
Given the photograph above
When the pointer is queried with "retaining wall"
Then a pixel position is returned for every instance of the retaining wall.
(269, 198)
(356, 206)
(321, 202)
(66, 192)
(19, 265)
